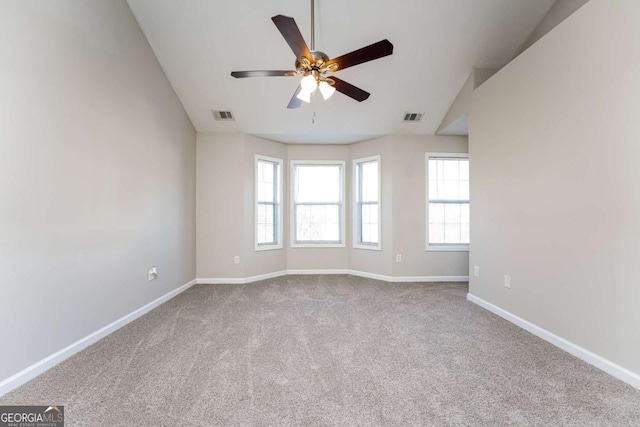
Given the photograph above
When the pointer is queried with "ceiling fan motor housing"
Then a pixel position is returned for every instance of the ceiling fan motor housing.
(319, 59)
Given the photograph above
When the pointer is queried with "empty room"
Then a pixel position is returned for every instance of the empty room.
(319, 213)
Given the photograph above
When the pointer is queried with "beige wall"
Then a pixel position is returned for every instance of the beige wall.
(225, 210)
(409, 207)
(220, 204)
(225, 177)
(560, 11)
(555, 183)
(96, 175)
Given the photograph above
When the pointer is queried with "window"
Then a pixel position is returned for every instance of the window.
(317, 189)
(268, 190)
(367, 203)
(447, 202)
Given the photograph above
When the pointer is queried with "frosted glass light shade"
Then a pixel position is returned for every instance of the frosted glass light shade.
(304, 95)
(309, 83)
(326, 90)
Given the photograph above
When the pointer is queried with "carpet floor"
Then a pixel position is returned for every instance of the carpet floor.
(328, 350)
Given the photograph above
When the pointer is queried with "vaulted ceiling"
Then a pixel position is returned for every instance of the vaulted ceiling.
(437, 43)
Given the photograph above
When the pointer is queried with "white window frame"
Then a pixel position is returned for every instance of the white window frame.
(438, 247)
(278, 223)
(294, 244)
(357, 241)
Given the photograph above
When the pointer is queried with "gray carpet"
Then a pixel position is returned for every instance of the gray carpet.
(328, 350)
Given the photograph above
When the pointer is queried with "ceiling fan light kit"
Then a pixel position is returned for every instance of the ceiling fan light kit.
(326, 90)
(313, 65)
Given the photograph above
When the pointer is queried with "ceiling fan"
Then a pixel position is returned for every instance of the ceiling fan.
(313, 65)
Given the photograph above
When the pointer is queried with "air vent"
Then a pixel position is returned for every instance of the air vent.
(222, 115)
(412, 117)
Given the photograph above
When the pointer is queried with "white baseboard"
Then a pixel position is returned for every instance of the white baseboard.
(429, 279)
(368, 275)
(405, 279)
(611, 368)
(43, 365)
(397, 279)
(317, 272)
(239, 280)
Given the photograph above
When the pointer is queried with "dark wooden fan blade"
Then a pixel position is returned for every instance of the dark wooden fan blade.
(368, 53)
(295, 102)
(263, 73)
(291, 33)
(350, 90)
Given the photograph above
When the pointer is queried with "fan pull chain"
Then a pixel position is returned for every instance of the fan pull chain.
(313, 108)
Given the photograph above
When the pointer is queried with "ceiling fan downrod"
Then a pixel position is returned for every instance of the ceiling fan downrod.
(313, 26)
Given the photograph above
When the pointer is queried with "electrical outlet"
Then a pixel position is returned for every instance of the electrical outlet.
(398, 258)
(476, 271)
(152, 273)
(236, 259)
(507, 282)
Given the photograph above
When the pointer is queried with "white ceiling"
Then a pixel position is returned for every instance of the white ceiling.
(436, 45)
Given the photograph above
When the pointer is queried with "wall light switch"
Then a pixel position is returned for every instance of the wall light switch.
(476, 271)
(398, 258)
(236, 259)
(507, 282)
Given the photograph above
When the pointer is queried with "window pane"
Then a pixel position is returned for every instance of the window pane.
(436, 213)
(317, 223)
(448, 181)
(452, 213)
(267, 187)
(266, 223)
(464, 234)
(369, 224)
(464, 169)
(369, 184)
(436, 233)
(373, 234)
(450, 169)
(433, 170)
(373, 219)
(267, 193)
(464, 190)
(370, 233)
(366, 234)
(450, 190)
(318, 184)
(268, 233)
(433, 190)
(265, 171)
(269, 217)
(464, 213)
(367, 196)
(452, 233)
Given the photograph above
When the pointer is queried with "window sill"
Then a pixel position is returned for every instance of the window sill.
(449, 248)
(267, 248)
(368, 247)
(317, 245)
